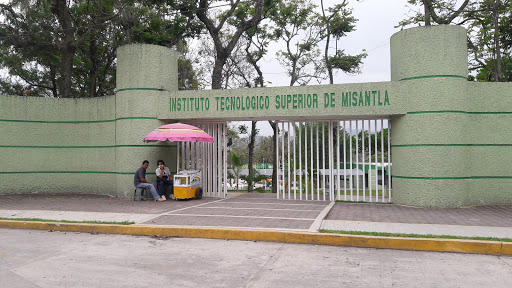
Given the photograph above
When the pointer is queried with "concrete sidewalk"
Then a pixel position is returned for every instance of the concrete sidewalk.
(266, 215)
(476, 221)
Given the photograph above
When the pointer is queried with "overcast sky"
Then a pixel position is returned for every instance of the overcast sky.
(377, 19)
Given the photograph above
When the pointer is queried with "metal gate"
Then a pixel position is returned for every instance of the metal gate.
(331, 160)
(209, 158)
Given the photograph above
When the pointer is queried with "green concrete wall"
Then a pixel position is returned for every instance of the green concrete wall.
(89, 146)
(57, 145)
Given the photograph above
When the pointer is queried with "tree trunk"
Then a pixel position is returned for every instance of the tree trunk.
(67, 47)
(252, 139)
(93, 53)
(53, 76)
(217, 72)
(426, 5)
(274, 159)
(498, 74)
(327, 42)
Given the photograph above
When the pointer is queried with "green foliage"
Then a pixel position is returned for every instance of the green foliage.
(57, 48)
(347, 63)
(341, 21)
(338, 21)
(226, 29)
(297, 24)
(438, 11)
(236, 165)
(264, 150)
(187, 76)
(256, 177)
(486, 75)
(489, 32)
(490, 40)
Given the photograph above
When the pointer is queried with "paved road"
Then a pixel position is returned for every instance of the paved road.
(30, 258)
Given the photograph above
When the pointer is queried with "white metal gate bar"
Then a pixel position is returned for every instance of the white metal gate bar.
(338, 160)
(389, 161)
(357, 160)
(351, 168)
(326, 165)
(300, 161)
(210, 158)
(382, 159)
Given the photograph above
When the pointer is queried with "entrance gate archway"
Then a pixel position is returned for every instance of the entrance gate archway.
(438, 161)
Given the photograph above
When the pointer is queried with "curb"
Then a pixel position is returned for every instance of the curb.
(419, 244)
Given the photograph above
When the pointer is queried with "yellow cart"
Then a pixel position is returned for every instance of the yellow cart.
(187, 185)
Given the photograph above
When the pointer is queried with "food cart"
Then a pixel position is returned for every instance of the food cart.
(187, 185)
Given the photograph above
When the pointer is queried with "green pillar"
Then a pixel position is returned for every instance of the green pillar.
(430, 154)
(146, 74)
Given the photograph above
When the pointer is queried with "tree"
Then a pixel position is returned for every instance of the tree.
(245, 14)
(236, 164)
(289, 19)
(252, 178)
(264, 150)
(37, 42)
(439, 11)
(257, 41)
(242, 129)
(60, 48)
(187, 77)
(252, 139)
(275, 128)
(297, 24)
(489, 32)
(369, 139)
(489, 39)
(338, 23)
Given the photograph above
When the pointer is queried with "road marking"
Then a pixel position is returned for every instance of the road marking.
(233, 216)
(166, 213)
(269, 209)
(271, 203)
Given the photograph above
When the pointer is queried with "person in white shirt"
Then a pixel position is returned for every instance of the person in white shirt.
(164, 180)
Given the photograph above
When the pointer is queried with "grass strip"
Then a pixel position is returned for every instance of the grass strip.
(67, 221)
(383, 234)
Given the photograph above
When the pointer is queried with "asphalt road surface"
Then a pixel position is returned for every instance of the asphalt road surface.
(31, 258)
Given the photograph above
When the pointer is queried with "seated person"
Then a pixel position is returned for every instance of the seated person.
(164, 180)
(139, 180)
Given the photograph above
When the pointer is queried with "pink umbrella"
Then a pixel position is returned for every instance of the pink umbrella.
(178, 132)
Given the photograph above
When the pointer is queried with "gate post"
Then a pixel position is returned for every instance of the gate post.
(145, 74)
(430, 156)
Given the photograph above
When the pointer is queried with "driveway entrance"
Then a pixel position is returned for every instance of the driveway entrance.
(250, 210)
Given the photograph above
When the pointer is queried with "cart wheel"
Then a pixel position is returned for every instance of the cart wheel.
(199, 193)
